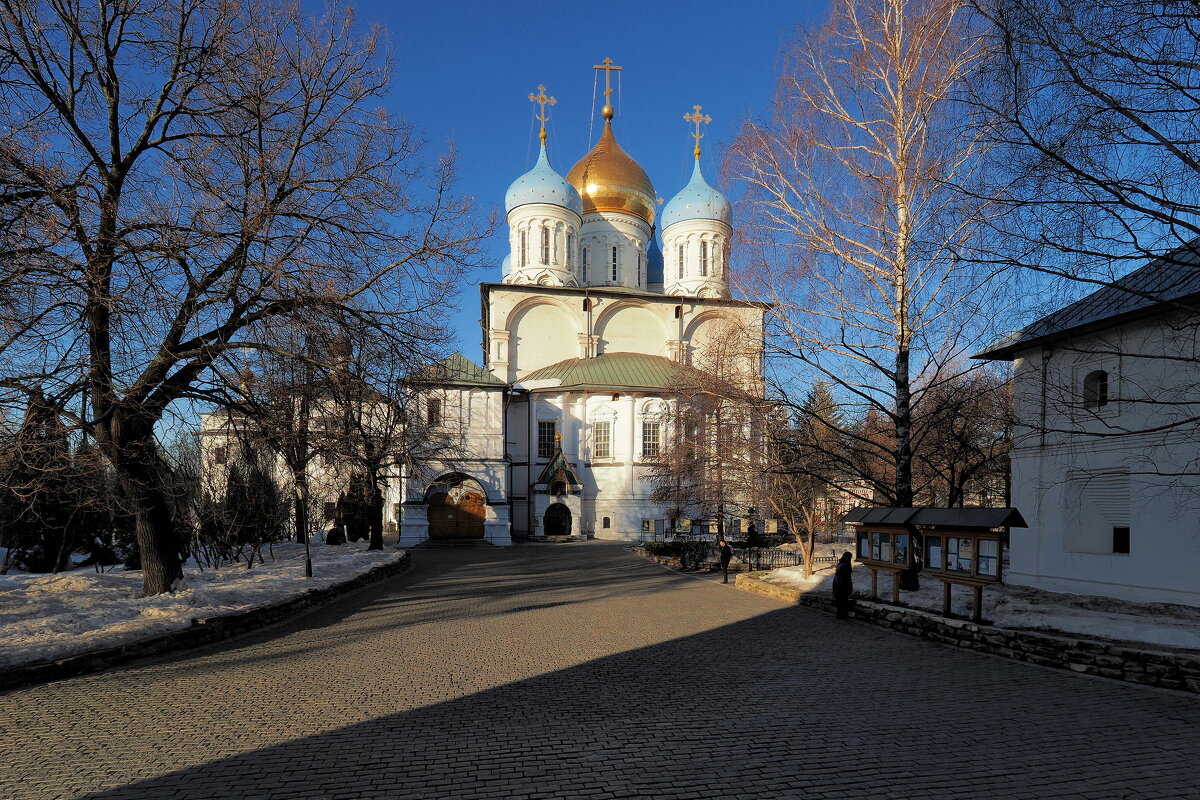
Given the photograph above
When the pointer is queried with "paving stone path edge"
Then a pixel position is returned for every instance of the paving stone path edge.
(202, 631)
(1166, 669)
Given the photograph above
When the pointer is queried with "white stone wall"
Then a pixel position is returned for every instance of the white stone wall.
(1091, 468)
(530, 328)
(555, 263)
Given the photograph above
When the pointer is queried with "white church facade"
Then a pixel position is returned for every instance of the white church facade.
(585, 339)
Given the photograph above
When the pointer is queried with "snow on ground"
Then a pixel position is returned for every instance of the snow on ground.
(1006, 606)
(53, 616)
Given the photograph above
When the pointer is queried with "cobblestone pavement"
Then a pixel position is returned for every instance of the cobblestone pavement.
(581, 671)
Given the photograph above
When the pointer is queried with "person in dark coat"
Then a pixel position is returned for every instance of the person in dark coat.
(726, 555)
(843, 585)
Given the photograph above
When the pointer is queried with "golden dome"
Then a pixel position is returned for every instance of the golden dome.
(609, 180)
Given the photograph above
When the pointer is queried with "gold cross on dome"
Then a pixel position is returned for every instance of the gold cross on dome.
(696, 118)
(607, 66)
(542, 101)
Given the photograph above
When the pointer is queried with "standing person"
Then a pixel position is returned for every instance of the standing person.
(726, 555)
(843, 585)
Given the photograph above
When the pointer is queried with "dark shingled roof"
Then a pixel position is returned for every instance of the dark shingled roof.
(947, 517)
(1174, 278)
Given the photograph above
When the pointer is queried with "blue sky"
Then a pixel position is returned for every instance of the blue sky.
(464, 71)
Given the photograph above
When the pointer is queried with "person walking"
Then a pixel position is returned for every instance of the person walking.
(843, 585)
(726, 556)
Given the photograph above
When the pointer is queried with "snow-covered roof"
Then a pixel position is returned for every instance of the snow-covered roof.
(1163, 284)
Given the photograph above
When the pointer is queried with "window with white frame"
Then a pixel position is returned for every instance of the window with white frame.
(651, 439)
(545, 438)
(522, 248)
(433, 411)
(639, 269)
(545, 245)
(703, 258)
(584, 267)
(570, 249)
(602, 440)
(679, 259)
(1095, 389)
(614, 262)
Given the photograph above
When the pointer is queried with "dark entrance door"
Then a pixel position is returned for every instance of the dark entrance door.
(461, 520)
(558, 520)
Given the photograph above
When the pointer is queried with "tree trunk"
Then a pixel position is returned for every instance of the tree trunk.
(131, 448)
(375, 510)
(300, 513)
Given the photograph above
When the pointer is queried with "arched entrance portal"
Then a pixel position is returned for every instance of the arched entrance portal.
(558, 520)
(456, 508)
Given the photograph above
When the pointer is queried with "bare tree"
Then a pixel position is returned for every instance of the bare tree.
(216, 166)
(1097, 107)
(859, 226)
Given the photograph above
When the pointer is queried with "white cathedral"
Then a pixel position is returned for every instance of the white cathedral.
(583, 340)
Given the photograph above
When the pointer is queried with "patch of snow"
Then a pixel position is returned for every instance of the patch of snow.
(1162, 624)
(54, 616)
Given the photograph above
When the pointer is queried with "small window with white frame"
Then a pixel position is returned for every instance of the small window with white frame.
(545, 438)
(602, 440)
(651, 439)
(1095, 389)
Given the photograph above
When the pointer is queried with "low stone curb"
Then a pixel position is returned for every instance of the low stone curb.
(203, 631)
(1166, 669)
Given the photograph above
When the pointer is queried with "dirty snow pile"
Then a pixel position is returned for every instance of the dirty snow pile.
(1005, 606)
(53, 616)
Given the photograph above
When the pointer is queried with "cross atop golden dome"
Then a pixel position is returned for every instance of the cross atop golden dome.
(607, 178)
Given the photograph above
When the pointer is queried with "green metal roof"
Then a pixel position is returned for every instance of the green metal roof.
(458, 370)
(612, 371)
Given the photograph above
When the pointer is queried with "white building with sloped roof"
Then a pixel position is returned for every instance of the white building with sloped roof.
(1106, 462)
(587, 334)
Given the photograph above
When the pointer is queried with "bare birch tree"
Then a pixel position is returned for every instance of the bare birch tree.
(204, 168)
(859, 226)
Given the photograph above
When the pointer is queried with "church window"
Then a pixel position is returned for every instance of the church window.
(587, 304)
(614, 263)
(545, 245)
(606, 523)
(650, 439)
(221, 454)
(559, 487)
(639, 272)
(570, 249)
(704, 258)
(545, 439)
(433, 409)
(1095, 389)
(602, 440)
(585, 265)
(523, 249)
(680, 262)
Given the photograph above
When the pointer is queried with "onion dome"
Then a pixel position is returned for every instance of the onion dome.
(697, 200)
(609, 180)
(542, 185)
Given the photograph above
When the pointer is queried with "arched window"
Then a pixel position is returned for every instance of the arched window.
(639, 272)
(523, 250)
(545, 245)
(606, 523)
(570, 249)
(703, 258)
(1095, 389)
(559, 487)
(680, 261)
(614, 263)
(585, 264)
